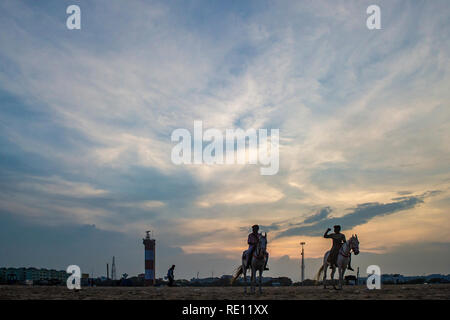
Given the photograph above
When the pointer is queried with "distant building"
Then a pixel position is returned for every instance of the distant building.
(204, 281)
(392, 278)
(31, 274)
(401, 279)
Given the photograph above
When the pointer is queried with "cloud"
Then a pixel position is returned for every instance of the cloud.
(57, 186)
(320, 215)
(248, 195)
(150, 204)
(87, 115)
(361, 214)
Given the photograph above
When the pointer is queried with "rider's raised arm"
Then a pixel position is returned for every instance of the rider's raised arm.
(326, 235)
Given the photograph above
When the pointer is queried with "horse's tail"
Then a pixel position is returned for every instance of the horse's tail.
(237, 272)
(318, 274)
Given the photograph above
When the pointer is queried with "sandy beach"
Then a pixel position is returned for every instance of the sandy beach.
(387, 292)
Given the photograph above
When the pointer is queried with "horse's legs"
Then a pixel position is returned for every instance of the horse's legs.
(325, 269)
(333, 270)
(244, 272)
(341, 277)
(253, 280)
(260, 280)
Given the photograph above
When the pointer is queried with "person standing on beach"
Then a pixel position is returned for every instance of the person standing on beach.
(170, 275)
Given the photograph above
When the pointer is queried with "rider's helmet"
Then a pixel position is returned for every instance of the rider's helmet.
(337, 228)
(255, 228)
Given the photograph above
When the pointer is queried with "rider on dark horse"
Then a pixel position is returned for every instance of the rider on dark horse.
(252, 241)
(338, 241)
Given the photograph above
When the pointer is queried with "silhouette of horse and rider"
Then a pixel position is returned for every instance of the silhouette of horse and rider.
(256, 257)
(339, 256)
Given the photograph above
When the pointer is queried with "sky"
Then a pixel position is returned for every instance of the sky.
(86, 118)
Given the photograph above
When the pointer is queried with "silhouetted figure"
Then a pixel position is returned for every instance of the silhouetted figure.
(252, 240)
(338, 241)
(170, 275)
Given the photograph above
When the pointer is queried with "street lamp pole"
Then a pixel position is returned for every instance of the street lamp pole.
(303, 261)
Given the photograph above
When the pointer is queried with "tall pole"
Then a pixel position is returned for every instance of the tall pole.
(303, 261)
(113, 269)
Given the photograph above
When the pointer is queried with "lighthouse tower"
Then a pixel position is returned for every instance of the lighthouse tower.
(149, 259)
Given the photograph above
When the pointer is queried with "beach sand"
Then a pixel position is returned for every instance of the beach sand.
(387, 292)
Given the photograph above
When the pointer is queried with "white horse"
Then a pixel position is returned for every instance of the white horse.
(342, 261)
(257, 264)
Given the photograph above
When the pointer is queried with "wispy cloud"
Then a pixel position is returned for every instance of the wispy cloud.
(86, 116)
(320, 215)
(361, 214)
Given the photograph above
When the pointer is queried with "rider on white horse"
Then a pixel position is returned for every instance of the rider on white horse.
(338, 241)
(253, 239)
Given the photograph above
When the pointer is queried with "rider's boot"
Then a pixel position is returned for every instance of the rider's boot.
(349, 264)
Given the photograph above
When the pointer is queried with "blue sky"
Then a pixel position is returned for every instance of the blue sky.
(86, 117)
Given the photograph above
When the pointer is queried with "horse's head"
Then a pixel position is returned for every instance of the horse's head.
(262, 244)
(354, 244)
